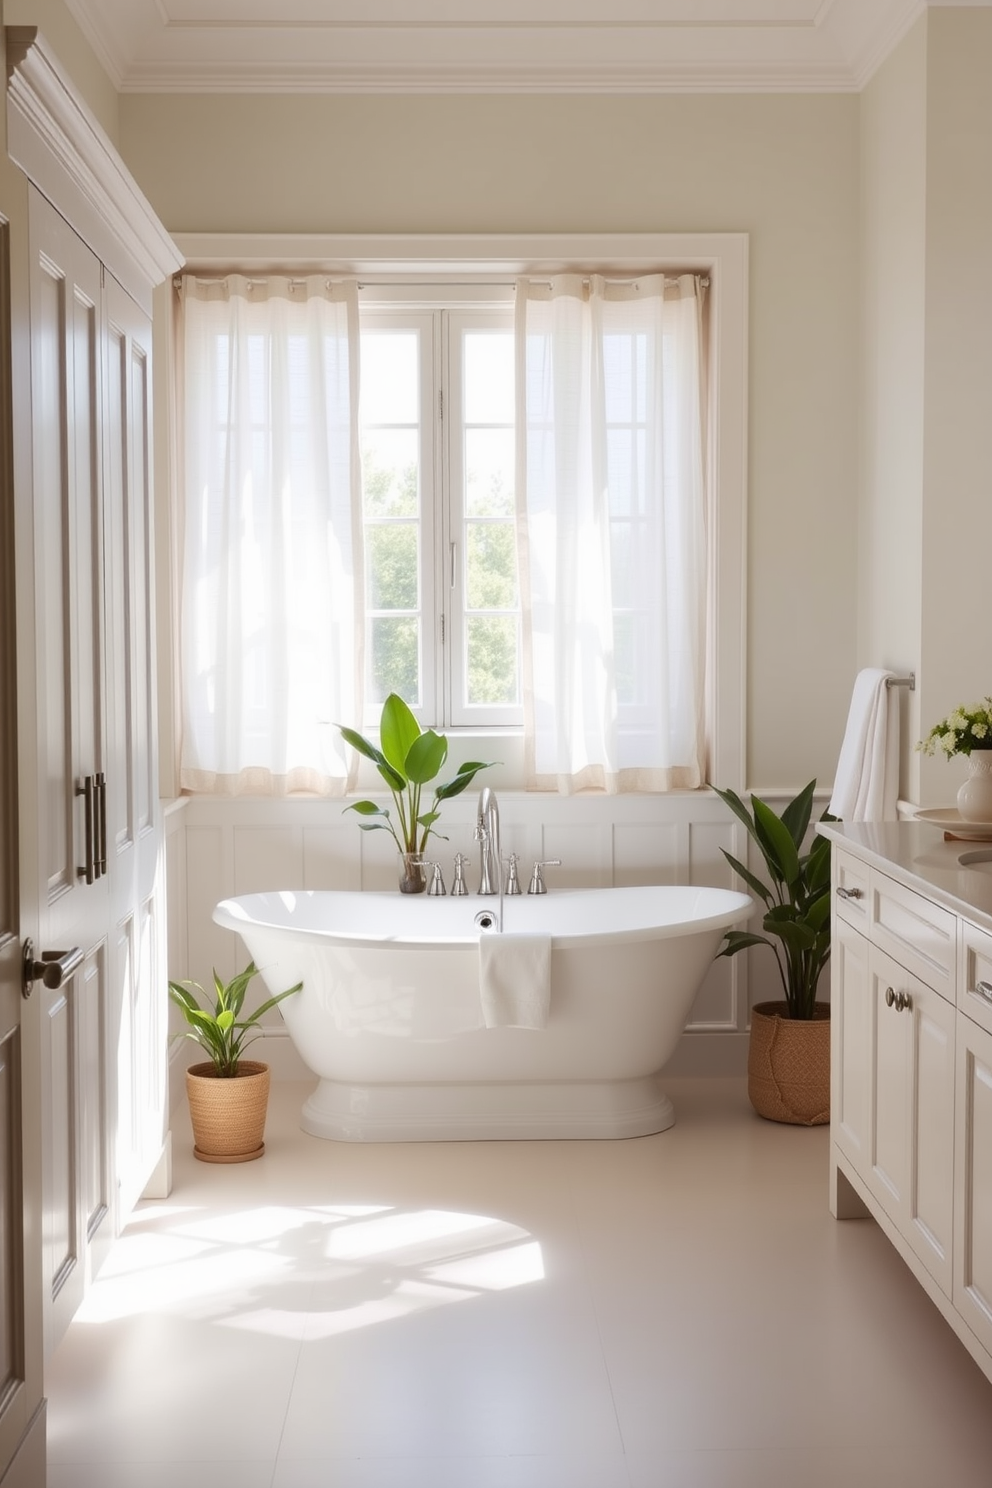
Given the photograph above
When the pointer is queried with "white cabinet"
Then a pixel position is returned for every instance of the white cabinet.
(103, 1032)
(912, 1110)
(911, 1084)
(973, 1181)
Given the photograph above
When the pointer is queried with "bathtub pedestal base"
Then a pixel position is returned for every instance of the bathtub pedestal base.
(494, 1111)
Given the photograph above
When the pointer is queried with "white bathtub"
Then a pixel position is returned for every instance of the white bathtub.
(390, 1016)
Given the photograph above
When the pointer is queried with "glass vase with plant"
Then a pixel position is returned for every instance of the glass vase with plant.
(409, 759)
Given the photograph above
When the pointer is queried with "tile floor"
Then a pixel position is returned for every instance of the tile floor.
(677, 1311)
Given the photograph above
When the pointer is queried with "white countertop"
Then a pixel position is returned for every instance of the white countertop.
(916, 853)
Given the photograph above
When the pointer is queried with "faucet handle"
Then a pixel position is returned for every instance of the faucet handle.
(512, 885)
(459, 888)
(437, 882)
(537, 884)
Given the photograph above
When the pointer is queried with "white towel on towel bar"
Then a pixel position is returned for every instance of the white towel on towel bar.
(866, 785)
(515, 980)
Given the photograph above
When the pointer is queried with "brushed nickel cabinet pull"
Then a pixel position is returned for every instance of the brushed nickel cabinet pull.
(849, 894)
(88, 872)
(984, 989)
(101, 818)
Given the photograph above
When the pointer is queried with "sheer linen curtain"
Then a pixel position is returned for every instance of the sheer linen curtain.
(611, 524)
(271, 612)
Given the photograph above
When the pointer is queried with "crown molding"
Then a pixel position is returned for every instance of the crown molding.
(605, 46)
(62, 149)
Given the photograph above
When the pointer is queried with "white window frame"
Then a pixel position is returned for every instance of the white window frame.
(474, 261)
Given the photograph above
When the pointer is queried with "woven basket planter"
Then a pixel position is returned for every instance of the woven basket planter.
(228, 1114)
(788, 1065)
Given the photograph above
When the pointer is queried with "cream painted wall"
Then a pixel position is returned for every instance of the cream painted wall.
(74, 52)
(783, 169)
(893, 225)
(957, 455)
(926, 513)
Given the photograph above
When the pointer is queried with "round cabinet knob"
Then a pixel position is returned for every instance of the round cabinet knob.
(890, 996)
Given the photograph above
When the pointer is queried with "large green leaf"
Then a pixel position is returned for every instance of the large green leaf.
(749, 878)
(367, 808)
(731, 799)
(466, 774)
(739, 940)
(427, 754)
(794, 934)
(357, 741)
(797, 814)
(397, 731)
(775, 841)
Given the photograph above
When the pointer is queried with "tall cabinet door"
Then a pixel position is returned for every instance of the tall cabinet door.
(20, 1309)
(137, 938)
(77, 1085)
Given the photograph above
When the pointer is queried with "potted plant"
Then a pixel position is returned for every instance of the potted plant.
(968, 731)
(789, 1053)
(409, 759)
(228, 1095)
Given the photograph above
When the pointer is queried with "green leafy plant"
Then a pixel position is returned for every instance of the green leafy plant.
(221, 1031)
(962, 731)
(796, 921)
(409, 759)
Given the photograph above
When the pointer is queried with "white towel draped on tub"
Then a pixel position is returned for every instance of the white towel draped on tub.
(515, 980)
(866, 785)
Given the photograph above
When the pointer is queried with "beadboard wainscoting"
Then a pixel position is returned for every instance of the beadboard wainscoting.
(219, 847)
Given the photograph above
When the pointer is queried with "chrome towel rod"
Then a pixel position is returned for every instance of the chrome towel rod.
(909, 681)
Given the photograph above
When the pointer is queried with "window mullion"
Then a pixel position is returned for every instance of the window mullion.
(445, 595)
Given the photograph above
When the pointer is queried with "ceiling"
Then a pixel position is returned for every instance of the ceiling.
(495, 46)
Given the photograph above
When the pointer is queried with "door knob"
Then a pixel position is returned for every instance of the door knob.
(54, 969)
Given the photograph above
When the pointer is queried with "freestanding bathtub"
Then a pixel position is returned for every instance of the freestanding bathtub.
(390, 1015)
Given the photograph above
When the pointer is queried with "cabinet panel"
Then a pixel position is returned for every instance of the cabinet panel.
(850, 1043)
(931, 1193)
(913, 1110)
(973, 1181)
(98, 808)
(920, 935)
(974, 992)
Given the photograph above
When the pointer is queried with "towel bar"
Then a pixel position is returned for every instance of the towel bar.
(909, 681)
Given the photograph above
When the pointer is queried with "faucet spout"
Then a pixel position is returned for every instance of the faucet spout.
(487, 835)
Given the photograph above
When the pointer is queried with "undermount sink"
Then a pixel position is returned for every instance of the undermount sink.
(979, 857)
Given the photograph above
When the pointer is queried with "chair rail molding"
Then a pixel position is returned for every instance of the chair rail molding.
(59, 144)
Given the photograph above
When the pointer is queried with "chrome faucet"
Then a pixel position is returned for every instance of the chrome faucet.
(487, 835)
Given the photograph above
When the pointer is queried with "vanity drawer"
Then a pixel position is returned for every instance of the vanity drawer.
(975, 973)
(920, 935)
(850, 890)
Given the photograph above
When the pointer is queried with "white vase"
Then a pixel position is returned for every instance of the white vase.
(975, 795)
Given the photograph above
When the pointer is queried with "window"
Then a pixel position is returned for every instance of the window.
(436, 417)
(467, 528)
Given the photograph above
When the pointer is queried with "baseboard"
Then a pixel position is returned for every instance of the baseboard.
(159, 1185)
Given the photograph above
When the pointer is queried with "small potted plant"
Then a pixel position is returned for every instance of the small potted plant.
(968, 731)
(409, 759)
(789, 1052)
(228, 1095)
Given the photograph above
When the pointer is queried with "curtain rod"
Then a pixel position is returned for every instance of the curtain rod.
(295, 279)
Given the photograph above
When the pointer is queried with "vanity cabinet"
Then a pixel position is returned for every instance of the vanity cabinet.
(911, 1081)
(892, 1055)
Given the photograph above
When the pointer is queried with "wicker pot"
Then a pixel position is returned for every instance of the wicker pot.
(228, 1114)
(788, 1064)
